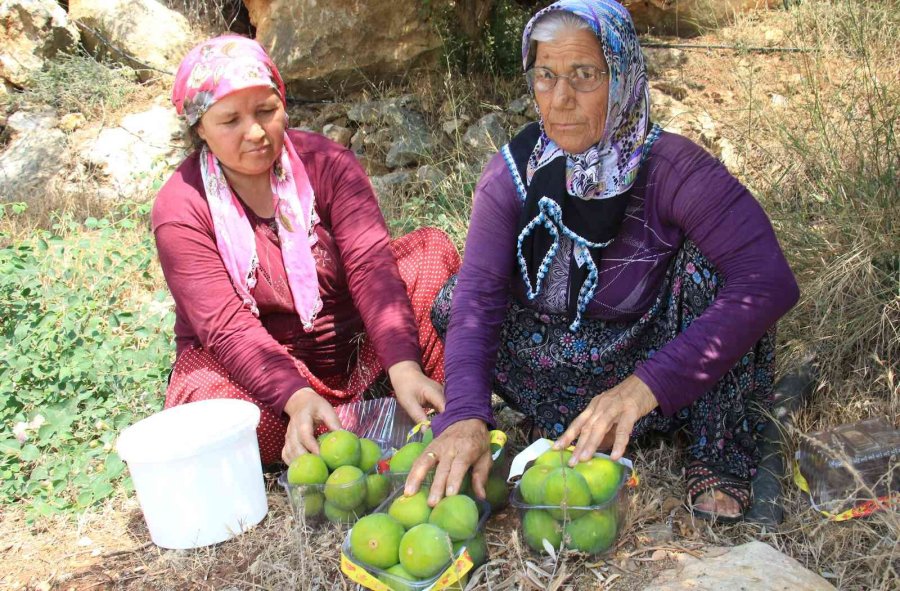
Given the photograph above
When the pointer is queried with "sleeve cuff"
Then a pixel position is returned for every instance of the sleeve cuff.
(447, 418)
(287, 389)
(645, 374)
(395, 356)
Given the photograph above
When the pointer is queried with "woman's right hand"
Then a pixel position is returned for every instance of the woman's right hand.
(462, 445)
(306, 409)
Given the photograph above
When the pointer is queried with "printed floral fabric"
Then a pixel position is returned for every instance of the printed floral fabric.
(550, 374)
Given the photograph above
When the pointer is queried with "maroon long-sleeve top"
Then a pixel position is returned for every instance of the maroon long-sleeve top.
(681, 192)
(359, 282)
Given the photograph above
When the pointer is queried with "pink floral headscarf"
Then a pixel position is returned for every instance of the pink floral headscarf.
(210, 71)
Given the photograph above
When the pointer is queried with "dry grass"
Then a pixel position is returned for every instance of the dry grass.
(823, 161)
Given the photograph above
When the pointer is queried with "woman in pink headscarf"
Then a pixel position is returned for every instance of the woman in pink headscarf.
(288, 290)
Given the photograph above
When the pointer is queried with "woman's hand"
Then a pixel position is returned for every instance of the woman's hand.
(462, 445)
(306, 409)
(616, 410)
(414, 390)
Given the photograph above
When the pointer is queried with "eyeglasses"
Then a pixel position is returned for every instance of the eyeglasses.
(583, 79)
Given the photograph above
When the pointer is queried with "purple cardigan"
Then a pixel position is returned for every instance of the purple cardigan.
(681, 192)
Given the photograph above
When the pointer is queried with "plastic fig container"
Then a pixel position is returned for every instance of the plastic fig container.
(308, 500)
(451, 577)
(592, 529)
(498, 451)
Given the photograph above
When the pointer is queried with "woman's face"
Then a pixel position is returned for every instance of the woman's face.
(245, 130)
(574, 120)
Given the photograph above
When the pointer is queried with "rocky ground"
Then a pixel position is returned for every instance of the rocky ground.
(423, 142)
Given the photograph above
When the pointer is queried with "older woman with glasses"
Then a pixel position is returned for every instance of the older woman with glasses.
(617, 279)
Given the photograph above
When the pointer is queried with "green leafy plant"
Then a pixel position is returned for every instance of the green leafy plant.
(84, 354)
(79, 83)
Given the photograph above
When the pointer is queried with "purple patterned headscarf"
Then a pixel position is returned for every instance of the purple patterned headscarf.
(608, 168)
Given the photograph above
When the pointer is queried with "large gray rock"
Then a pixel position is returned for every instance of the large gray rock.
(754, 566)
(487, 134)
(32, 31)
(412, 142)
(391, 183)
(320, 46)
(145, 30)
(410, 138)
(142, 150)
(36, 153)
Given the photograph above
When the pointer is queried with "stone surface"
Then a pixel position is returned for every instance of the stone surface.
(391, 182)
(487, 134)
(660, 59)
(144, 148)
(392, 111)
(412, 142)
(520, 105)
(454, 126)
(71, 121)
(36, 153)
(754, 566)
(134, 26)
(430, 175)
(321, 46)
(24, 122)
(32, 31)
(337, 133)
(687, 18)
(401, 130)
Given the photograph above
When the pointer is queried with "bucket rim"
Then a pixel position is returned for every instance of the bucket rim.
(132, 448)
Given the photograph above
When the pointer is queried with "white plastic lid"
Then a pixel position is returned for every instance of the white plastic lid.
(186, 430)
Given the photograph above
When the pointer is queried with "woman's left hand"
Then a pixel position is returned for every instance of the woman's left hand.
(415, 391)
(614, 411)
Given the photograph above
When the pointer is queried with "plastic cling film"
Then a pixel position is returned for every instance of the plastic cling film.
(381, 419)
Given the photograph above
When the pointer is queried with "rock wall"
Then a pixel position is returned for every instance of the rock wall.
(145, 30)
(32, 31)
(320, 46)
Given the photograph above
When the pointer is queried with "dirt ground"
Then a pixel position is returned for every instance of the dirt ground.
(109, 547)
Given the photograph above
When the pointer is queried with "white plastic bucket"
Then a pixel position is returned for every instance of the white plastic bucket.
(196, 471)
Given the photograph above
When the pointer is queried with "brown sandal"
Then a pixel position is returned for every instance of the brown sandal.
(702, 479)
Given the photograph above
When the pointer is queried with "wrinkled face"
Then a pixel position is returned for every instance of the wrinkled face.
(574, 120)
(245, 130)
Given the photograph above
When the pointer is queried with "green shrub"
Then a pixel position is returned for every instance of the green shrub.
(79, 83)
(497, 51)
(84, 351)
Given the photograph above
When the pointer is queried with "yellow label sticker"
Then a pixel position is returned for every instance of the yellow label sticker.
(498, 437)
(455, 571)
(412, 432)
(361, 576)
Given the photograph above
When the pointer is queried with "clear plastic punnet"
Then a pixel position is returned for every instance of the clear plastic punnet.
(851, 470)
(452, 576)
(589, 527)
(381, 420)
(309, 500)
